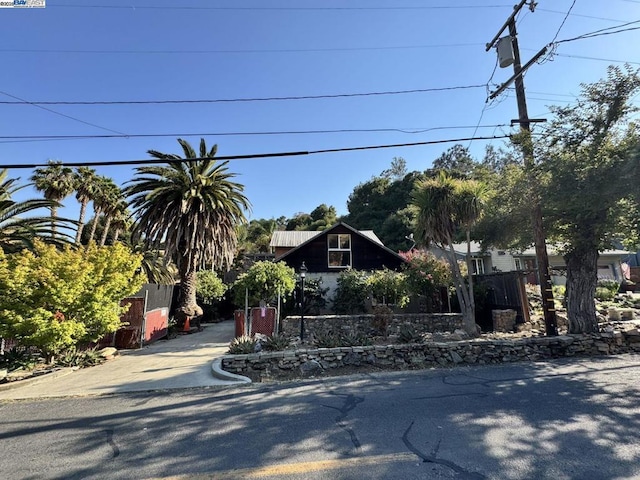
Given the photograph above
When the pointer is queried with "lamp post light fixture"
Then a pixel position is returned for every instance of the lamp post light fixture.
(303, 274)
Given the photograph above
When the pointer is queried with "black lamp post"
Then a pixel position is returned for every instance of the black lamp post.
(303, 274)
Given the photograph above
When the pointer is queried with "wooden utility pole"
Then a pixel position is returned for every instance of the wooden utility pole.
(544, 272)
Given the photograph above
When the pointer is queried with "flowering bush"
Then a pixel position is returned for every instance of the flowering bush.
(424, 273)
(388, 287)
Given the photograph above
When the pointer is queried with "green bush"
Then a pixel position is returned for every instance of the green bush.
(210, 287)
(354, 340)
(328, 339)
(79, 358)
(19, 358)
(408, 334)
(388, 287)
(425, 273)
(264, 280)
(351, 292)
(314, 298)
(604, 294)
(242, 345)
(54, 299)
(277, 343)
(611, 285)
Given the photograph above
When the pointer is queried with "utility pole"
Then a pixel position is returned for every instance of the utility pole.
(544, 272)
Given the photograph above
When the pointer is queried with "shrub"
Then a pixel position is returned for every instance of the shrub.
(264, 280)
(79, 358)
(210, 287)
(611, 285)
(351, 292)
(18, 358)
(604, 294)
(425, 272)
(354, 340)
(388, 287)
(276, 343)
(328, 339)
(408, 334)
(243, 345)
(314, 298)
(53, 299)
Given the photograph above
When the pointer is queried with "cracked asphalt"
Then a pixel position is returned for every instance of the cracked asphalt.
(565, 419)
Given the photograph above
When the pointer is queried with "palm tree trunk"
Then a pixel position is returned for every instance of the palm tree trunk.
(54, 214)
(83, 212)
(187, 304)
(116, 234)
(107, 225)
(464, 296)
(96, 214)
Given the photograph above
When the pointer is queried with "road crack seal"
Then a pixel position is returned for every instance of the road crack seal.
(461, 472)
(350, 402)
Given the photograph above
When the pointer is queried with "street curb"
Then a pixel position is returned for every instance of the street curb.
(40, 378)
(219, 373)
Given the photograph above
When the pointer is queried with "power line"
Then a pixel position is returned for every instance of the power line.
(149, 161)
(230, 100)
(411, 131)
(602, 31)
(582, 16)
(184, 7)
(208, 52)
(22, 101)
(563, 21)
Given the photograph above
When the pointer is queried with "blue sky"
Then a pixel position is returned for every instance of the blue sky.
(112, 50)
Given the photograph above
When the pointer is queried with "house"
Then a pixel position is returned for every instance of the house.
(495, 260)
(328, 253)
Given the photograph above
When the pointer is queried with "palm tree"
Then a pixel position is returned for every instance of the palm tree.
(446, 208)
(56, 182)
(121, 220)
(85, 180)
(114, 203)
(193, 208)
(104, 192)
(18, 232)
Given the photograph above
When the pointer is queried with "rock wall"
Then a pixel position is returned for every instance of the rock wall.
(316, 361)
(365, 324)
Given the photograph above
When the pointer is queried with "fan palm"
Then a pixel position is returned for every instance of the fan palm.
(447, 207)
(104, 193)
(191, 207)
(18, 232)
(85, 184)
(56, 182)
(113, 205)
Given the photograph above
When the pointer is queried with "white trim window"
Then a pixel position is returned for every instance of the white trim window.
(477, 263)
(339, 250)
(518, 263)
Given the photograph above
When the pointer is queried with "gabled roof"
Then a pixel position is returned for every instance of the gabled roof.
(294, 238)
(368, 234)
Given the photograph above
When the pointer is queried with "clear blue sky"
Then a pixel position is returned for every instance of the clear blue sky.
(114, 50)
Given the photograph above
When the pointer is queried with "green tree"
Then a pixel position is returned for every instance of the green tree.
(351, 292)
(590, 167)
(264, 281)
(56, 182)
(55, 298)
(18, 231)
(105, 191)
(388, 287)
(85, 185)
(210, 287)
(192, 208)
(446, 208)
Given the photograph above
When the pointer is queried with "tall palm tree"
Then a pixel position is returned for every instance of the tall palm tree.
(114, 203)
(104, 192)
(56, 182)
(85, 184)
(446, 208)
(121, 220)
(16, 231)
(193, 208)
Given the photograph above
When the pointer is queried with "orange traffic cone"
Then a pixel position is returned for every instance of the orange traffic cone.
(187, 325)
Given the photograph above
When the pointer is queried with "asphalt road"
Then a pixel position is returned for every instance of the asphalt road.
(569, 419)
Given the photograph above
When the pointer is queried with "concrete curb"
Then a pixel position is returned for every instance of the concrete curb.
(40, 378)
(219, 373)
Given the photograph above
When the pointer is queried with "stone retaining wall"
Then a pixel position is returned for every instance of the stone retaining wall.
(315, 361)
(364, 324)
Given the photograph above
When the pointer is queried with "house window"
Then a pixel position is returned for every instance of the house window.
(339, 250)
(478, 266)
(518, 263)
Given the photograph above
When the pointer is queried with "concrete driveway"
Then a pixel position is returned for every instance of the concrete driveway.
(183, 362)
